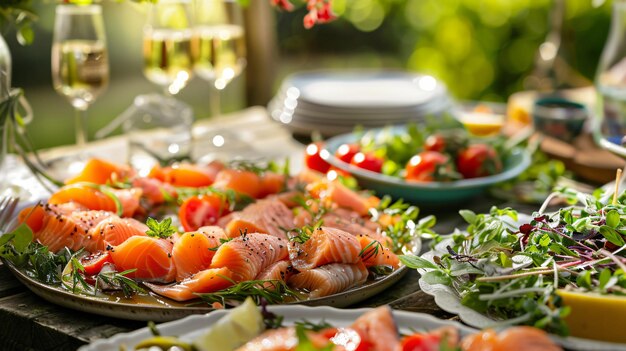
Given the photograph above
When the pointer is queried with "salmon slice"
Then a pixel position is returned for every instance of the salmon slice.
(378, 328)
(271, 183)
(194, 251)
(95, 199)
(249, 255)
(190, 175)
(288, 197)
(281, 270)
(329, 279)
(263, 216)
(284, 339)
(373, 253)
(244, 182)
(56, 227)
(206, 281)
(360, 226)
(154, 190)
(99, 171)
(325, 245)
(520, 338)
(151, 257)
(114, 231)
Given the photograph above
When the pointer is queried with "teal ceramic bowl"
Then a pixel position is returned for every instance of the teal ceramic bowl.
(433, 194)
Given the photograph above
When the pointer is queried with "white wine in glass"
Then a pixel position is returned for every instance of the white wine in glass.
(219, 53)
(218, 45)
(80, 64)
(167, 45)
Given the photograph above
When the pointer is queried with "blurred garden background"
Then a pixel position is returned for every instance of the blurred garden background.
(482, 50)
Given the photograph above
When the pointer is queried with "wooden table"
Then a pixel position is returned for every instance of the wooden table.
(28, 322)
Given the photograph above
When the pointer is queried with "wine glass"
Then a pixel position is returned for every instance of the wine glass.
(218, 45)
(80, 63)
(167, 45)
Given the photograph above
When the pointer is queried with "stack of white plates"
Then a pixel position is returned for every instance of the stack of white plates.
(334, 102)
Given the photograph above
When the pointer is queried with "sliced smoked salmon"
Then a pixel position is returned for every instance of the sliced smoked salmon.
(325, 245)
(56, 228)
(94, 199)
(378, 328)
(99, 171)
(243, 182)
(114, 231)
(151, 257)
(194, 251)
(281, 270)
(249, 255)
(264, 216)
(373, 253)
(206, 281)
(329, 279)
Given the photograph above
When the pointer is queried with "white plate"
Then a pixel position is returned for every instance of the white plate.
(448, 300)
(369, 89)
(192, 326)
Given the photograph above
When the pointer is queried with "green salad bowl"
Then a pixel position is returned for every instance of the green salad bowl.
(427, 194)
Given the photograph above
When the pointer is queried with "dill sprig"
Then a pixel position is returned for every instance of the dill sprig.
(72, 277)
(273, 291)
(371, 250)
(222, 242)
(119, 281)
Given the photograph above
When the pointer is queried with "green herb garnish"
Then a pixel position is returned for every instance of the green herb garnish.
(273, 291)
(162, 229)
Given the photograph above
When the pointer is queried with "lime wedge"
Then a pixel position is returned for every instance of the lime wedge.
(236, 328)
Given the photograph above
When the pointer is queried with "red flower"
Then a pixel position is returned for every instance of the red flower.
(283, 4)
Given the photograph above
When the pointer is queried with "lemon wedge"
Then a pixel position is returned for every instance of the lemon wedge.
(236, 328)
(482, 124)
(595, 316)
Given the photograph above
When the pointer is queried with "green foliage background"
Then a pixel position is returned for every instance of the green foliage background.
(482, 49)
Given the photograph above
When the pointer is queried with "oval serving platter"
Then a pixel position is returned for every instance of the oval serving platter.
(159, 309)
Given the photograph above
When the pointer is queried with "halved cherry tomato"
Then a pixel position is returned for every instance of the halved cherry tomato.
(421, 342)
(346, 152)
(435, 142)
(428, 166)
(368, 160)
(478, 160)
(314, 157)
(94, 262)
(199, 211)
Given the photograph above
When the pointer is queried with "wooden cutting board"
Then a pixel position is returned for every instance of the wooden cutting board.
(583, 157)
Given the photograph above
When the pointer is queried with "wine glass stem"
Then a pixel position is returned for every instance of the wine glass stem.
(215, 100)
(81, 127)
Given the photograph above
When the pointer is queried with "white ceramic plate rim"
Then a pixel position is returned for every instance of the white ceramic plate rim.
(302, 81)
(189, 327)
(448, 300)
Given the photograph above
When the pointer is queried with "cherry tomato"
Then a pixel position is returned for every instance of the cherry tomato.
(94, 262)
(478, 160)
(435, 142)
(421, 342)
(428, 166)
(346, 152)
(199, 211)
(368, 160)
(314, 157)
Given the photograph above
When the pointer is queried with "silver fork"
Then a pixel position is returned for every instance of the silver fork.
(7, 207)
